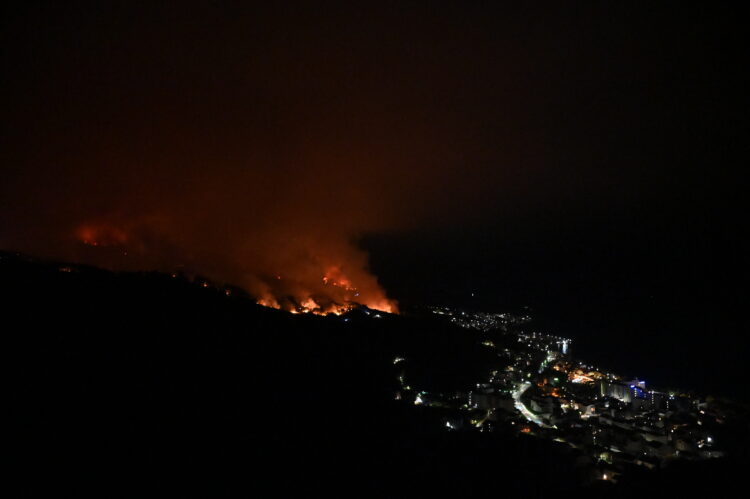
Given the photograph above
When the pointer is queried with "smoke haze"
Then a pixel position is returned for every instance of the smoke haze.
(257, 146)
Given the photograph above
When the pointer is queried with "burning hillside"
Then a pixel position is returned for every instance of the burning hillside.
(235, 160)
(299, 276)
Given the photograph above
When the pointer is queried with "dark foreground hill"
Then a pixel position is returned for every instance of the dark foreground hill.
(135, 384)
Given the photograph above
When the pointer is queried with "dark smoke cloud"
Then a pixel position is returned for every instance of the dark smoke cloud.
(249, 144)
(254, 153)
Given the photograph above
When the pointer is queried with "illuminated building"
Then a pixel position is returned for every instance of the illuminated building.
(624, 391)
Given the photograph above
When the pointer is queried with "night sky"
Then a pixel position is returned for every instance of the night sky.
(580, 160)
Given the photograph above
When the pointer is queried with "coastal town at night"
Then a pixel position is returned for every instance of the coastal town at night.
(541, 390)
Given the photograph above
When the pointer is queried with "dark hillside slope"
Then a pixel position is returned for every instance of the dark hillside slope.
(117, 380)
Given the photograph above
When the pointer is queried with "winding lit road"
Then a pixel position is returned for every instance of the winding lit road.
(519, 391)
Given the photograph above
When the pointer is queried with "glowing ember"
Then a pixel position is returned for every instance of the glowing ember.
(335, 277)
(101, 235)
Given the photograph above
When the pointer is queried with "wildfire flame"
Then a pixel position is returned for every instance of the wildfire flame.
(339, 295)
(101, 235)
(307, 286)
